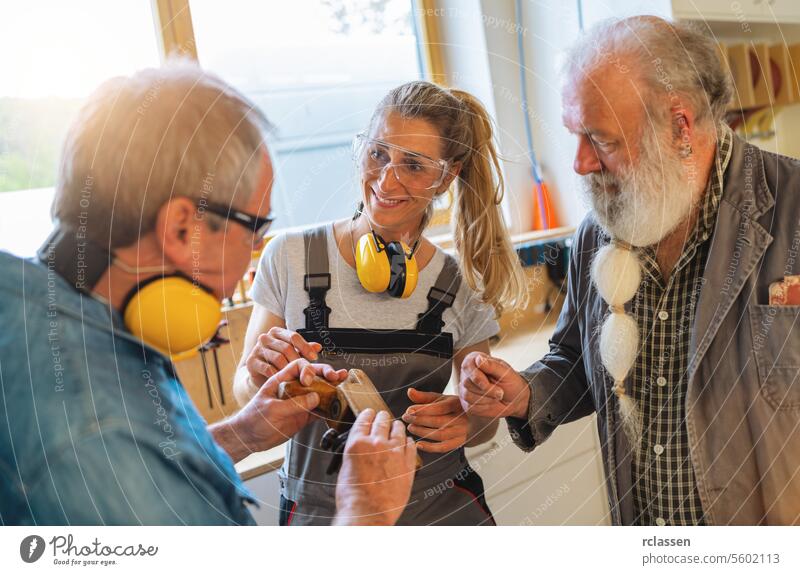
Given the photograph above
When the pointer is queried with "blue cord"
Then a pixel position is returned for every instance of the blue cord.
(524, 94)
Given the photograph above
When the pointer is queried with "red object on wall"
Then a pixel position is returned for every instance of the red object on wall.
(544, 216)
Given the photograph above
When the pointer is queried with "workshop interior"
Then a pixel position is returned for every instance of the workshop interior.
(316, 69)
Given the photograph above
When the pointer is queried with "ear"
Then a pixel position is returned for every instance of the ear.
(175, 228)
(683, 128)
(452, 174)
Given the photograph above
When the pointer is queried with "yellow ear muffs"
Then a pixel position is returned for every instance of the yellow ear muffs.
(172, 314)
(372, 265)
(412, 273)
(389, 267)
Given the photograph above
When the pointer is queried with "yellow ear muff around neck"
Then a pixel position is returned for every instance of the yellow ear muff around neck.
(385, 266)
(173, 315)
(372, 265)
(412, 274)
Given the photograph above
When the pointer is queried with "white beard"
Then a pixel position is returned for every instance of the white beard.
(642, 204)
(616, 273)
(640, 207)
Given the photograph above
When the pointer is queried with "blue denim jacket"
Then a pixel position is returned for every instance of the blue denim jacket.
(95, 427)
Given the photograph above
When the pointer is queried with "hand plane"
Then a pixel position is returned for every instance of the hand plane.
(339, 405)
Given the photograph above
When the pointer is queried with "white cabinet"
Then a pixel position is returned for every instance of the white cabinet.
(574, 494)
(560, 483)
(722, 10)
(783, 10)
(743, 12)
(593, 11)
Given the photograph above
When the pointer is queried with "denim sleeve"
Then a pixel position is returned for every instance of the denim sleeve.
(558, 383)
(112, 478)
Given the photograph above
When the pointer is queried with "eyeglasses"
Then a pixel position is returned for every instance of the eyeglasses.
(413, 170)
(257, 225)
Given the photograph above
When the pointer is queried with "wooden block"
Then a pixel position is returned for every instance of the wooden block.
(742, 75)
(779, 55)
(357, 391)
(332, 404)
(763, 91)
(360, 393)
(722, 55)
(340, 403)
(322, 387)
(794, 69)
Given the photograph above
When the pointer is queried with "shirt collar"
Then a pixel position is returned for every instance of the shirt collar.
(711, 199)
(708, 210)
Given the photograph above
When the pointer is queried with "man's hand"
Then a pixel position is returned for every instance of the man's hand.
(377, 471)
(437, 418)
(266, 421)
(489, 387)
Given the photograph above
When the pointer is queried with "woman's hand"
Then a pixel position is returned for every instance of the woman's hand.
(274, 350)
(439, 418)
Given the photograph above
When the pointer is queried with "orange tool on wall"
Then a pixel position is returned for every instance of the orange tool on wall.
(543, 213)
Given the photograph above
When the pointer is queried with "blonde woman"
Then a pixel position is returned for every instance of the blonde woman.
(315, 298)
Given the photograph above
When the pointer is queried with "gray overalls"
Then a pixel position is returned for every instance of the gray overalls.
(446, 490)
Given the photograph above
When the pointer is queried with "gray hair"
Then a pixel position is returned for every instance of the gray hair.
(676, 61)
(141, 140)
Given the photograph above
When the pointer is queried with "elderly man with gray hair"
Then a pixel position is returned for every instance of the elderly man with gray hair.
(675, 330)
(162, 195)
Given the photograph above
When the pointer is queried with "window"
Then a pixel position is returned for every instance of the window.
(317, 68)
(54, 54)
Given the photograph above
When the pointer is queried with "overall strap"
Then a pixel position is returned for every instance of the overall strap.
(440, 297)
(317, 279)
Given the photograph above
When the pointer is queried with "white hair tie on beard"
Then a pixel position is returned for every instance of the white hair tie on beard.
(617, 273)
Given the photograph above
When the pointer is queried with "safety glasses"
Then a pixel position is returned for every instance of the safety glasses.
(256, 225)
(412, 169)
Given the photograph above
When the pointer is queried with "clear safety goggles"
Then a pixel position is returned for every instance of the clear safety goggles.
(412, 169)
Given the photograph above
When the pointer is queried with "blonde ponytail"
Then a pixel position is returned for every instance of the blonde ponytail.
(488, 261)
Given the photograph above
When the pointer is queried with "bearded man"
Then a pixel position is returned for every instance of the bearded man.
(668, 332)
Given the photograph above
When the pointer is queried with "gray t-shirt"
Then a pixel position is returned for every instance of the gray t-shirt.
(278, 287)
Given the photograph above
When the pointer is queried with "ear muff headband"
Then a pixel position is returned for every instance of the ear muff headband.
(172, 314)
(389, 267)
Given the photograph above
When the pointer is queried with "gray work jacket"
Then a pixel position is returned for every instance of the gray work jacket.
(743, 396)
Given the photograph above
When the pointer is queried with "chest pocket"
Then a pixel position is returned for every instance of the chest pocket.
(776, 346)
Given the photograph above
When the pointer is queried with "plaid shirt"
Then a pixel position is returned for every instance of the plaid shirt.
(664, 488)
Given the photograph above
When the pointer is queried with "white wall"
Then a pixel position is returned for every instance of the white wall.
(732, 23)
(480, 49)
(481, 56)
(551, 27)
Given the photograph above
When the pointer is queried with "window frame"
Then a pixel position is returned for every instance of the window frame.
(174, 29)
(175, 32)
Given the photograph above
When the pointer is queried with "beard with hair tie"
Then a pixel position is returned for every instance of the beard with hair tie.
(637, 208)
